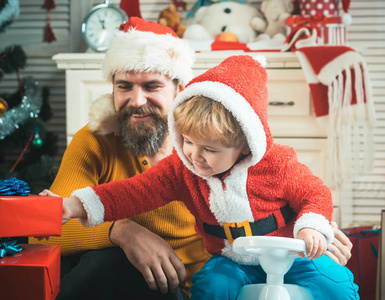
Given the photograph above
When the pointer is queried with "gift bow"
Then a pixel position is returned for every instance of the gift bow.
(313, 21)
(8, 248)
(13, 187)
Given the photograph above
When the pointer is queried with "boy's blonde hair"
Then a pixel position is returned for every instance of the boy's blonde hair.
(202, 117)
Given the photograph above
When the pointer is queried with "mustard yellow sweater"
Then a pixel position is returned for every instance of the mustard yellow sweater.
(92, 159)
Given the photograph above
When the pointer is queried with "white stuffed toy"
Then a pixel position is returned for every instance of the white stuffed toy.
(275, 13)
(243, 20)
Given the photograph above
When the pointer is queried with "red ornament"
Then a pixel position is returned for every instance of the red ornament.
(49, 35)
(49, 4)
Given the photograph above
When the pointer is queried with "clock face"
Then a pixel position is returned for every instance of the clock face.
(100, 25)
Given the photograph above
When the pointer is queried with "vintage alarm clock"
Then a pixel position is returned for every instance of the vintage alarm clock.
(100, 25)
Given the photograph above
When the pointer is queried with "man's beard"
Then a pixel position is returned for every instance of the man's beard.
(143, 138)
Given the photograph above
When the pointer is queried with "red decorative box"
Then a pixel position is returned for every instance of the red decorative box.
(330, 30)
(37, 216)
(323, 7)
(32, 274)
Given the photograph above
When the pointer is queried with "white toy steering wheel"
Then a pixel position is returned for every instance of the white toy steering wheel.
(276, 256)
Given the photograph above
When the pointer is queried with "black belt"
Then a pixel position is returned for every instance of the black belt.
(231, 231)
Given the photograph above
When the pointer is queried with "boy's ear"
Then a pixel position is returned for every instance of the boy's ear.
(246, 150)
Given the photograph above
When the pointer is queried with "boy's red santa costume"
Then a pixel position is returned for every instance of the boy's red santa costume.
(267, 193)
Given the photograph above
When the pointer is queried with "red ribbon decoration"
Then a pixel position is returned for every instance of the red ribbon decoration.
(49, 35)
(49, 4)
(315, 20)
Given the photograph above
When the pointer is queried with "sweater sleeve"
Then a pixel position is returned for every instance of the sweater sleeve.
(81, 166)
(309, 197)
(133, 196)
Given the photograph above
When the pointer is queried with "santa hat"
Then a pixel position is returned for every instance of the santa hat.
(341, 92)
(239, 83)
(146, 46)
(346, 17)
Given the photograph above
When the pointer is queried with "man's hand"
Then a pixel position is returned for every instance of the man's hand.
(340, 249)
(315, 242)
(150, 254)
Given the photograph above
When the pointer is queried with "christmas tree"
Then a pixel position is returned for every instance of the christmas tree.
(23, 130)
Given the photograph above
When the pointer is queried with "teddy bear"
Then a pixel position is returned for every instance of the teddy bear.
(275, 13)
(243, 20)
(170, 17)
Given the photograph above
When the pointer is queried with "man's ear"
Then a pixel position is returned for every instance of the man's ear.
(179, 88)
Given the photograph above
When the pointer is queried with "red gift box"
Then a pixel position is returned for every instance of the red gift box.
(32, 274)
(312, 7)
(330, 30)
(363, 262)
(37, 216)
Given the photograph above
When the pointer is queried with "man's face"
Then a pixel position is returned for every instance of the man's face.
(142, 101)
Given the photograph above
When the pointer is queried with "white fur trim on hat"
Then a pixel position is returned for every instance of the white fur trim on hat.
(261, 59)
(141, 51)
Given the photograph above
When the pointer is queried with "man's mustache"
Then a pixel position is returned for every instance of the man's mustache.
(143, 110)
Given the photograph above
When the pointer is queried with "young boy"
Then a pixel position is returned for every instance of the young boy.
(235, 180)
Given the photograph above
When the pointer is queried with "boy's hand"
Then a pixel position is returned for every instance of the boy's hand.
(66, 214)
(48, 193)
(72, 207)
(315, 243)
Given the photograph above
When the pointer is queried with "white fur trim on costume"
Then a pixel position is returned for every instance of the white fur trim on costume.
(230, 204)
(248, 119)
(316, 222)
(243, 259)
(140, 51)
(92, 205)
(102, 116)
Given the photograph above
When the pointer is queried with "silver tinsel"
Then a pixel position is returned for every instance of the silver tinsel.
(28, 108)
(9, 14)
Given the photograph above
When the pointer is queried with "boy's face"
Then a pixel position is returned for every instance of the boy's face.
(210, 157)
